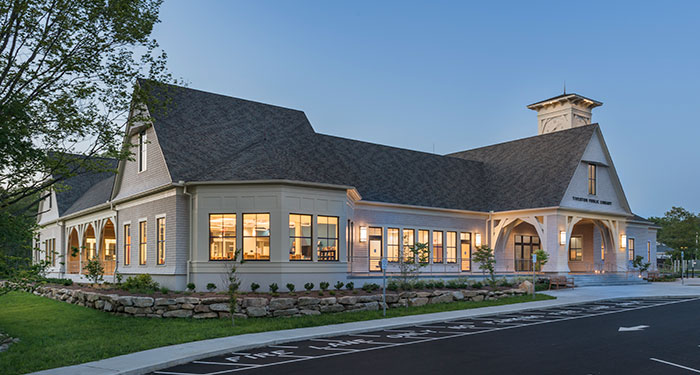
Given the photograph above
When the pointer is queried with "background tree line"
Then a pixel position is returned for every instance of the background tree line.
(680, 229)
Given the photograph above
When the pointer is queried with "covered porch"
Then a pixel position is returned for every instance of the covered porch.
(96, 239)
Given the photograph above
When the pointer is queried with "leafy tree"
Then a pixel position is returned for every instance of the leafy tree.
(94, 270)
(542, 258)
(233, 282)
(412, 260)
(487, 261)
(679, 230)
(640, 264)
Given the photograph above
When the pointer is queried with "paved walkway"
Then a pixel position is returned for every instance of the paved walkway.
(153, 359)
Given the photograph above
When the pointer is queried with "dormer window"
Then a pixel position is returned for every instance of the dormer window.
(592, 172)
(142, 151)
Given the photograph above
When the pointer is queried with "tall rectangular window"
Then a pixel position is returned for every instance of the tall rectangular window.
(409, 241)
(602, 250)
(576, 249)
(222, 236)
(392, 244)
(327, 238)
(53, 252)
(648, 251)
(437, 247)
(630, 247)
(451, 247)
(376, 248)
(127, 244)
(592, 172)
(465, 249)
(142, 151)
(142, 242)
(160, 240)
(424, 238)
(256, 236)
(300, 237)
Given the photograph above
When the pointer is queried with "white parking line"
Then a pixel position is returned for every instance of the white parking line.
(223, 363)
(675, 364)
(360, 335)
(283, 346)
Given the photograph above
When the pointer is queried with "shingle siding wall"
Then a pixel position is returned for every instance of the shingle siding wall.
(156, 173)
(175, 209)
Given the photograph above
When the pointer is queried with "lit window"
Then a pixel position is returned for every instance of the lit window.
(222, 236)
(392, 244)
(576, 248)
(648, 251)
(451, 247)
(424, 239)
(300, 237)
(592, 171)
(602, 251)
(256, 236)
(437, 247)
(465, 248)
(376, 249)
(630, 248)
(409, 241)
(127, 244)
(327, 238)
(142, 151)
(142, 242)
(160, 240)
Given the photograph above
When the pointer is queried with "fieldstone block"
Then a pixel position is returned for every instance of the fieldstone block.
(443, 298)
(418, 301)
(190, 300)
(329, 301)
(477, 298)
(108, 306)
(287, 312)
(126, 300)
(348, 300)
(256, 311)
(391, 298)
(408, 295)
(458, 296)
(187, 306)
(164, 302)
(202, 308)
(371, 306)
(470, 293)
(254, 302)
(370, 298)
(177, 314)
(309, 312)
(281, 303)
(332, 308)
(135, 310)
(89, 296)
(99, 304)
(423, 294)
(220, 307)
(212, 300)
(143, 301)
(308, 301)
(483, 292)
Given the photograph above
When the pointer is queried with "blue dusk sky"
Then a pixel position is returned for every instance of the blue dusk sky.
(448, 76)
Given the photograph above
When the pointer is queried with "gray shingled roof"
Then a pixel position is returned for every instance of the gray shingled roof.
(210, 137)
(72, 192)
(531, 172)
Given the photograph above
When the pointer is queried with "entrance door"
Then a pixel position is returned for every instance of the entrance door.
(376, 251)
(524, 247)
(465, 248)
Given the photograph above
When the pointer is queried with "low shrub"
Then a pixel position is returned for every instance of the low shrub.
(64, 282)
(273, 287)
(141, 283)
(211, 287)
(439, 284)
(191, 287)
(393, 285)
(308, 286)
(254, 287)
(477, 285)
(350, 286)
(428, 284)
(370, 287)
(339, 285)
(419, 284)
(324, 285)
(332, 292)
(164, 290)
(458, 283)
(291, 287)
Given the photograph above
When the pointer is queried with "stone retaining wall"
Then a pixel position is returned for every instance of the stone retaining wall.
(218, 307)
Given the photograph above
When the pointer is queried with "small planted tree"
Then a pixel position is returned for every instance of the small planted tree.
(487, 261)
(308, 286)
(94, 271)
(640, 265)
(542, 258)
(291, 287)
(339, 285)
(254, 287)
(233, 283)
(414, 258)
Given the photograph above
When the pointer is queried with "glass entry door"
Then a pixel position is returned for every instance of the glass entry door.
(524, 247)
(465, 248)
(375, 249)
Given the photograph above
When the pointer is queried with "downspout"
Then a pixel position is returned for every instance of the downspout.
(189, 259)
(490, 229)
(62, 225)
(116, 234)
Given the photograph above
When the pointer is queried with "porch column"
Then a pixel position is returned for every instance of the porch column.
(558, 254)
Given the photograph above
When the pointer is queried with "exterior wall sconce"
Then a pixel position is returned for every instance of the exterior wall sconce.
(363, 234)
(478, 239)
(623, 241)
(562, 238)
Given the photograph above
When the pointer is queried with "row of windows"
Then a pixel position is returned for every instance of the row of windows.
(50, 247)
(143, 242)
(256, 237)
(444, 246)
(576, 249)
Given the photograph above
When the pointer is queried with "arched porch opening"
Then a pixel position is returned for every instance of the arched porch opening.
(591, 247)
(89, 250)
(108, 246)
(73, 252)
(514, 247)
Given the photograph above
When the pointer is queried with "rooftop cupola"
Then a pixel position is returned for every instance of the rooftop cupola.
(563, 112)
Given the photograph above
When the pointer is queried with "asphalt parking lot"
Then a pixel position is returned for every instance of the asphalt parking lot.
(659, 335)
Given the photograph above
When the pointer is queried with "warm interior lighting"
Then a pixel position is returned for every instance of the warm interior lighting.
(363, 234)
(562, 238)
(623, 241)
(478, 239)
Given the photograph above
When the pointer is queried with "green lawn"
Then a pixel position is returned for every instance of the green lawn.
(55, 334)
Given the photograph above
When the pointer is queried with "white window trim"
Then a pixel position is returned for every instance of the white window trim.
(143, 152)
(160, 216)
(131, 231)
(139, 243)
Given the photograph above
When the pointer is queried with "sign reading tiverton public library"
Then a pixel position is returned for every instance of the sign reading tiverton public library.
(591, 200)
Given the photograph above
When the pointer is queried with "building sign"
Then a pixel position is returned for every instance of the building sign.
(591, 200)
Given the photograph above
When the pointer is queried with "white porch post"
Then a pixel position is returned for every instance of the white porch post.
(558, 257)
